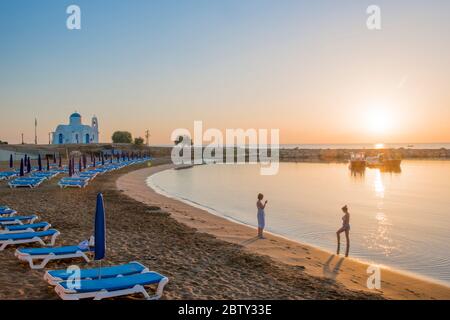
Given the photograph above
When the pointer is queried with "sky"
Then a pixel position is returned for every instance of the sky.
(311, 69)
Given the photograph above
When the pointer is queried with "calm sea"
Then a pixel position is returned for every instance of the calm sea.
(398, 219)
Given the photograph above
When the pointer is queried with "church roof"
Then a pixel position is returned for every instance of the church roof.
(75, 115)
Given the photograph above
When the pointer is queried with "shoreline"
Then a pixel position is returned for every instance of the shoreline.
(395, 284)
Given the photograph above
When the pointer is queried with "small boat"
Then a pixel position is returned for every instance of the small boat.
(381, 161)
(357, 161)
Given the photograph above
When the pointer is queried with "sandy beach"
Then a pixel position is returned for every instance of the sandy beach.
(346, 273)
(200, 265)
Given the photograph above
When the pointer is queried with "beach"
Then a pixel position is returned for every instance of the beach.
(199, 264)
(349, 273)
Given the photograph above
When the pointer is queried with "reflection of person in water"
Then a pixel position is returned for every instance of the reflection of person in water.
(345, 228)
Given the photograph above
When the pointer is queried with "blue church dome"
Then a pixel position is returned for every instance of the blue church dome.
(75, 115)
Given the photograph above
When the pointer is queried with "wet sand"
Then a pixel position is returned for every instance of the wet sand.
(307, 260)
(199, 264)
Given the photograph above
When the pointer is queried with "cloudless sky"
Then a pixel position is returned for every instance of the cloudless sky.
(310, 68)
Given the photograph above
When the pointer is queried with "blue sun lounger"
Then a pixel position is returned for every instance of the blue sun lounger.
(28, 237)
(48, 254)
(27, 182)
(112, 287)
(48, 175)
(7, 212)
(73, 183)
(6, 175)
(4, 221)
(55, 276)
(32, 227)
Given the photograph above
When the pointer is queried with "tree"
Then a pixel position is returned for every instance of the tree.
(139, 141)
(122, 137)
(185, 139)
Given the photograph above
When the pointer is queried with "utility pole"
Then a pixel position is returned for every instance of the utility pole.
(50, 137)
(35, 130)
(22, 138)
(147, 136)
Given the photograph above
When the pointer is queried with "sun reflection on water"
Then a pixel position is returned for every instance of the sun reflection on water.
(379, 238)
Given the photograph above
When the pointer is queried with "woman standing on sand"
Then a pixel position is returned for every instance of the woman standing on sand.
(345, 228)
(261, 215)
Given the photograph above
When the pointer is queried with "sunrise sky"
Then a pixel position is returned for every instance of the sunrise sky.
(309, 68)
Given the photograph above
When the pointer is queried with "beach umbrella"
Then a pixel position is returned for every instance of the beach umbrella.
(21, 168)
(11, 161)
(93, 162)
(48, 163)
(60, 162)
(80, 166)
(103, 159)
(70, 167)
(29, 165)
(100, 229)
(25, 160)
(84, 161)
(54, 157)
(39, 162)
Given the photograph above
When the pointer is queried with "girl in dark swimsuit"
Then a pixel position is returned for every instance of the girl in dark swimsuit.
(345, 228)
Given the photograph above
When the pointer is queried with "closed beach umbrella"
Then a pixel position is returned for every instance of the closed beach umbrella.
(39, 162)
(103, 159)
(100, 229)
(54, 157)
(11, 161)
(84, 161)
(60, 161)
(29, 165)
(21, 168)
(25, 160)
(70, 167)
(80, 166)
(48, 163)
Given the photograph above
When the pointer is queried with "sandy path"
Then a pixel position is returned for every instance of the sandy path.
(348, 272)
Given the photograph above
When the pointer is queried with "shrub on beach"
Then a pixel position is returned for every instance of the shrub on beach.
(122, 137)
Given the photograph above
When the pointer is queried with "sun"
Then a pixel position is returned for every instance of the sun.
(379, 119)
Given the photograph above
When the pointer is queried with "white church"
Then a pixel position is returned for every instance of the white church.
(76, 132)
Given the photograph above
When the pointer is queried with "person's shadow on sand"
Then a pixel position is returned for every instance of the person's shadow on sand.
(332, 273)
(249, 241)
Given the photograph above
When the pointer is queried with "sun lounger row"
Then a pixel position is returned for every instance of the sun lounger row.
(82, 179)
(75, 283)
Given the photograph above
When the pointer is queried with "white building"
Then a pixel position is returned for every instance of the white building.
(76, 132)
